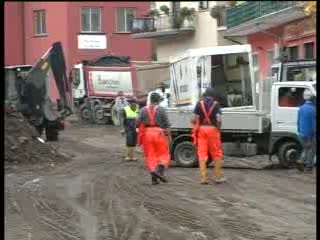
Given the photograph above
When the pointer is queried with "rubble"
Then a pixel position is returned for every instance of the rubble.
(22, 145)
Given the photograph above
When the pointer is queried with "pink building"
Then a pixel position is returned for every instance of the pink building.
(86, 29)
(271, 26)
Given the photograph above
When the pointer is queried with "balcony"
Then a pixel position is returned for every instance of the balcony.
(256, 16)
(160, 26)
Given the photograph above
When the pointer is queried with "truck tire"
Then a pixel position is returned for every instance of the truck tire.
(98, 115)
(114, 116)
(85, 113)
(185, 154)
(289, 153)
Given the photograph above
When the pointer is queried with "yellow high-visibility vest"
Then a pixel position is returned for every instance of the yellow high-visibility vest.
(130, 114)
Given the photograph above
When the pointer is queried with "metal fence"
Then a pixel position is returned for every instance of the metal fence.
(253, 9)
(160, 23)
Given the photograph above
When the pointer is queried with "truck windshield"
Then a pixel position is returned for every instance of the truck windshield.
(299, 73)
(75, 77)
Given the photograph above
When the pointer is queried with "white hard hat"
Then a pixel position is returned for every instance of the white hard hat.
(307, 94)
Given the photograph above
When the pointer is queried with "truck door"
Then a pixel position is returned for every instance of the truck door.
(286, 101)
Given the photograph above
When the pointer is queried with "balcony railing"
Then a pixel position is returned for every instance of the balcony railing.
(160, 24)
(250, 10)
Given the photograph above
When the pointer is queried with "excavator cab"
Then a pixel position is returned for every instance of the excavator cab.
(41, 92)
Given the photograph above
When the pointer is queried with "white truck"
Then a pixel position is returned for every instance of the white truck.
(247, 128)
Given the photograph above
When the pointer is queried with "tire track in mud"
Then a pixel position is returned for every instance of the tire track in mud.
(236, 226)
(167, 210)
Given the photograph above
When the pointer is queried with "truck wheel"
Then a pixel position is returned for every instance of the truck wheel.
(289, 153)
(185, 154)
(98, 115)
(114, 116)
(85, 113)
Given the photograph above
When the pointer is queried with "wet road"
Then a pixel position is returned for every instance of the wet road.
(99, 196)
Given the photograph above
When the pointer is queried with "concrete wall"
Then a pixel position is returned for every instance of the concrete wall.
(13, 37)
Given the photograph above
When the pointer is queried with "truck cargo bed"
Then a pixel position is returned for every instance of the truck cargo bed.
(243, 119)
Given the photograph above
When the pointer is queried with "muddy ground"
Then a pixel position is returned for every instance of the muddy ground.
(96, 195)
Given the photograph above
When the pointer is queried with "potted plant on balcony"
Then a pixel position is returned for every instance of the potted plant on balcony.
(164, 21)
(165, 9)
(187, 16)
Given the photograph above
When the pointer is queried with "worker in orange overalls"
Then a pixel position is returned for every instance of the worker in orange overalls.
(206, 136)
(154, 136)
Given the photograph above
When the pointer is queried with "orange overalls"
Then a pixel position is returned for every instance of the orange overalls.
(154, 142)
(207, 138)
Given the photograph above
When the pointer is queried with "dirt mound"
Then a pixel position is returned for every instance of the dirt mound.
(21, 145)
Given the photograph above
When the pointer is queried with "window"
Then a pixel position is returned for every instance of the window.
(290, 97)
(203, 4)
(309, 50)
(40, 22)
(293, 53)
(91, 19)
(222, 18)
(125, 18)
(300, 73)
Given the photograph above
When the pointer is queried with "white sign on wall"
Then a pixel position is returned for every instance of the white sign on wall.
(111, 82)
(92, 41)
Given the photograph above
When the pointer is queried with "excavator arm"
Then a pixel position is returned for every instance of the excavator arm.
(37, 86)
(42, 94)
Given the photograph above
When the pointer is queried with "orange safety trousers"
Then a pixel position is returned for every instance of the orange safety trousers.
(155, 143)
(209, 142)
(156, 148)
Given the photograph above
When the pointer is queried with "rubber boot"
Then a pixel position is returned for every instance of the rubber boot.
(132, 153)
(160, 173)
(128, 157)
(203, 172)
(154, 178)
(218, 172)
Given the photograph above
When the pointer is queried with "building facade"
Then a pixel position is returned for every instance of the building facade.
(172, 38)
(272, 27)
(87, 30)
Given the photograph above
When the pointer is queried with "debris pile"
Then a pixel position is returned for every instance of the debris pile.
(21, 144)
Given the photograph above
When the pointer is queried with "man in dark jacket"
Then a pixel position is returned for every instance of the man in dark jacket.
(206, 133)
(130, 122)
(154, 135)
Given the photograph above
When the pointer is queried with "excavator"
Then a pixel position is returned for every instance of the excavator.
(41, 93)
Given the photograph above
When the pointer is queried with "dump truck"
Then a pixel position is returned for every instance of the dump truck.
(96, 85)
(247, 128)
(41, 93)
